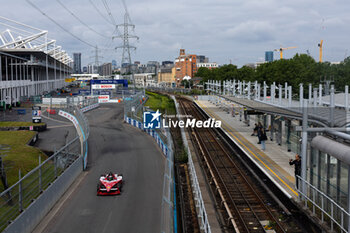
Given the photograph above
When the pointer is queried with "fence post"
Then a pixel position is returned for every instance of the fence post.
(20, 191)
(332, 217)
(40, 178)
(55, 165)
(322, 205)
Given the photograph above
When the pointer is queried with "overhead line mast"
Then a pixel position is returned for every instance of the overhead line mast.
(126, 57)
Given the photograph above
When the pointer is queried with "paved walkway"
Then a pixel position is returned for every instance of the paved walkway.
(274, 160)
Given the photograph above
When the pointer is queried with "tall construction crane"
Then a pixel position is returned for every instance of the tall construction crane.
(282, 49)
(320, 45)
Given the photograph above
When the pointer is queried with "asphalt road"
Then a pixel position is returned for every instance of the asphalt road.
(121, 148)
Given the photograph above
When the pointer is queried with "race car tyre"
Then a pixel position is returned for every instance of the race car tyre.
(98, 188)
(119, 186)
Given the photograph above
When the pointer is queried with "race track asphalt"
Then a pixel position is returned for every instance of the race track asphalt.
(121, 148)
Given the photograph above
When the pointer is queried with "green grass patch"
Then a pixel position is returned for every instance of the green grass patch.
(21, 156)
(19, 124)
(162, 102)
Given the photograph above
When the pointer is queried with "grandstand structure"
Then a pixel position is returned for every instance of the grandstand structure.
(31, 64)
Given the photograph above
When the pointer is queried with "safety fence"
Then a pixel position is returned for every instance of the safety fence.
(134, 104)
(25, 192)
(28, 188)
(74, 114)
(324, 207)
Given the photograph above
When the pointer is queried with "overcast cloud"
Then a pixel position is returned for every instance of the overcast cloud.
(240, 30)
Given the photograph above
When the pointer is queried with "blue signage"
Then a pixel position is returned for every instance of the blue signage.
(96, 92)
(112, 81)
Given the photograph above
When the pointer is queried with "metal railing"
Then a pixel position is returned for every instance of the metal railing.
(201, 212)
(133, 105)
(19, 196)
(324, 207)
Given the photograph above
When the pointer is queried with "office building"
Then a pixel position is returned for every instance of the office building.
(77, 63)
(269, 56)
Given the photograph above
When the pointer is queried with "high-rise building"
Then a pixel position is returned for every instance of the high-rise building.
(269, 56)
(77, 63)
(185, 65)
(85, 69)
(105, 69)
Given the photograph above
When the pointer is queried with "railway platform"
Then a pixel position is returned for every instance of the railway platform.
(274, 161)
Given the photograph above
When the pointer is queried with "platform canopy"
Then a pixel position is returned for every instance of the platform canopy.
(16, 36)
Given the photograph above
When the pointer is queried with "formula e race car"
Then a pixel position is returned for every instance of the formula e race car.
(110, 184)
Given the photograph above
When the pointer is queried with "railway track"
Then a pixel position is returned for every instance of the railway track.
(246, 209)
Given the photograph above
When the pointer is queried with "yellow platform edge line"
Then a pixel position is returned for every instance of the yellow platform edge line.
(278, 177)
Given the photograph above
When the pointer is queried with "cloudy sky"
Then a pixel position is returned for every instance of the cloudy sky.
(223, 30)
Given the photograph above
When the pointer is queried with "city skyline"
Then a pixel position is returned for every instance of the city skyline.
(240, 32)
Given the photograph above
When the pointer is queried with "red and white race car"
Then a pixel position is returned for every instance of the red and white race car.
(110, 184)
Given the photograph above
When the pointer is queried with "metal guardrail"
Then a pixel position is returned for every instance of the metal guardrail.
(19, 196)
(324, 206)
(202, 214)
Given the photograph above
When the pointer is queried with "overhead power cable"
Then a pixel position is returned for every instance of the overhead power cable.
(77, 18)
(59, 25)
(111, 16)
(109, 12)
(100, 13)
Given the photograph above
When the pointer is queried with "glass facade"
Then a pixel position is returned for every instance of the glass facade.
(269, 56)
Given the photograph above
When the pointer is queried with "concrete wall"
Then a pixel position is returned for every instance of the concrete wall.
(31, 217)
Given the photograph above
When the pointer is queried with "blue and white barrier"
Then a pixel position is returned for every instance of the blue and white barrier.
(163, 146)
(90, 107)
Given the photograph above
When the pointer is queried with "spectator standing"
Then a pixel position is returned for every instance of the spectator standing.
(297, 168)
(263, 138)
(259, 132)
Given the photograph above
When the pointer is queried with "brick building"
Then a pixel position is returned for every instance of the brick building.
(185, 65)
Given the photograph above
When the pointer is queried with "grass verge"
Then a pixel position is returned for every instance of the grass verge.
(162, 102)
(19, 124)
(21, 156)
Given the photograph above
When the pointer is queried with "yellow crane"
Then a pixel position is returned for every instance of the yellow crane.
(282, 49)
(320, 45)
